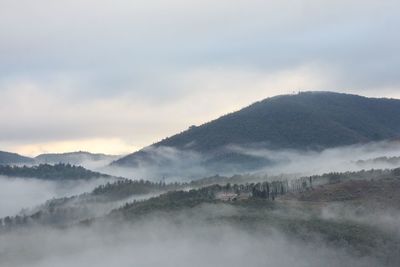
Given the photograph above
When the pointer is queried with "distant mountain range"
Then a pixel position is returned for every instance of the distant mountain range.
(304, 121)
(13, 158)
(74, 158)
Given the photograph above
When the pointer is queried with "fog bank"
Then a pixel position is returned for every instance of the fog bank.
(160, 242)
(166, 163)
(21, 193)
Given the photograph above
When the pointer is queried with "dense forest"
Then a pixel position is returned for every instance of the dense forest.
(125, 188)
(51, 172)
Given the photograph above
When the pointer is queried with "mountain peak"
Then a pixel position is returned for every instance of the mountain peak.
(306, 120)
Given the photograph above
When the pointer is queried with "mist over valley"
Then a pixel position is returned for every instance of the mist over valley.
(222, 133)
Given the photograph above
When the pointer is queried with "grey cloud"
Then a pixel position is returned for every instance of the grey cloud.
(257, 33)
(84, 51)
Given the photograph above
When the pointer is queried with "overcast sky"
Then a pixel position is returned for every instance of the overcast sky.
(116, 75)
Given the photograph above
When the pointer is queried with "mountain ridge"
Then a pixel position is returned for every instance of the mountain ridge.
(13, 158)
(74, 158)
(308, 120)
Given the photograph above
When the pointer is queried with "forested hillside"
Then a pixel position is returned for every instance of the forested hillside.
(51, 172)
(311, 120)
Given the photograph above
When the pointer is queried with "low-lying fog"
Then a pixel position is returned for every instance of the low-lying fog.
(191, 238)
(340, 159)
(20, 193)
(186, 165)
(159, 241)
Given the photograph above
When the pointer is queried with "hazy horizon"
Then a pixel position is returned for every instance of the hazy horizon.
(267, 133)
(71, 147)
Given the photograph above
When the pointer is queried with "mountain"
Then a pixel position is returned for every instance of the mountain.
(303, 121)
(7, 158)
(74, 158)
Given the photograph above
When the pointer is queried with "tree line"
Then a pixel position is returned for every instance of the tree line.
(59, 171)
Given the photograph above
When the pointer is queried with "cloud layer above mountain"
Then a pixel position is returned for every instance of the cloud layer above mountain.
(132, 72)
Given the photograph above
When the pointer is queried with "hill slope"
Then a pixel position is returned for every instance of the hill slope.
(311, 120)
(51, 172)
(13, 158)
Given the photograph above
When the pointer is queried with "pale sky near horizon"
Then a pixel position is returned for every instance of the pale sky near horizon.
(113, 76)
